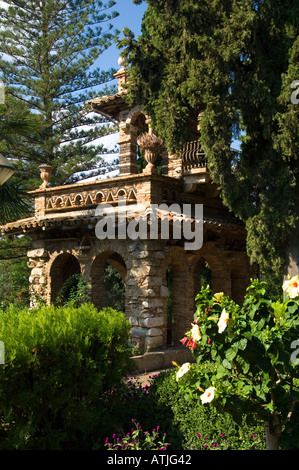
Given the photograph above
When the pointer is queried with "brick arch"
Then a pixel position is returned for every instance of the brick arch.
(219, 265)
(61, 268)
(97, 274)
(200, 265)
(134, 122)
(133, 115)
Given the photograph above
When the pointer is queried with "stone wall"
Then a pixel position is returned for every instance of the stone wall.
(142, 265)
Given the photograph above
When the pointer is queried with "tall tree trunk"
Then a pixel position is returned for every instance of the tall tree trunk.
(273, 434)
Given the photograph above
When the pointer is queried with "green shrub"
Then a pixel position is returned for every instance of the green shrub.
(191, 426)
(187, 425)
(58, 364)
(74, 291)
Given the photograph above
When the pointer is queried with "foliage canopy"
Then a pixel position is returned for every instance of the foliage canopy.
(48, 60)
(227, 66)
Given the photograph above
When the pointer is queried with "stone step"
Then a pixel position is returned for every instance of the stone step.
(162, 359)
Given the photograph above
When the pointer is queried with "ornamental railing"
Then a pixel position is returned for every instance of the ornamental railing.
(193, 156)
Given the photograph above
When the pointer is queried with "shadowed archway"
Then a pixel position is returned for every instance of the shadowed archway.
(63, 267)
(108, 274)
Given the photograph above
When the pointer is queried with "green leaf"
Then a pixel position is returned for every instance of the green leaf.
(226, 364)
(230, 354)
(241, 344)
(279, 309)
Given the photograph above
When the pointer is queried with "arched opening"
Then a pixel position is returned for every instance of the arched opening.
(202, 276)
(114, 288)
(108, 274)
(139, 121)
(64, 267)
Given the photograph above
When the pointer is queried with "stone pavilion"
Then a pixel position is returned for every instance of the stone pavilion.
(64, 240)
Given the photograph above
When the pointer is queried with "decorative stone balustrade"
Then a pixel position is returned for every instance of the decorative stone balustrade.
(134, 189)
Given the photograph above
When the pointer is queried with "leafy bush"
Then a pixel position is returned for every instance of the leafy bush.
(164, 406)
(58, 363)
(74, 291)
(247, 350)
(191, 426)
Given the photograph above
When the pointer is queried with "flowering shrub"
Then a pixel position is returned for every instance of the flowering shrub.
(247, 351)
(136, 439)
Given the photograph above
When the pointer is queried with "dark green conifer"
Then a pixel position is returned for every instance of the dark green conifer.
(48, 59)
(235, 60)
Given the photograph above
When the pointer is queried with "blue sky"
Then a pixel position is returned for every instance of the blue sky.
(130, 15)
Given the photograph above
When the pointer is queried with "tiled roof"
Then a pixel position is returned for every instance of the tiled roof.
(88, 217)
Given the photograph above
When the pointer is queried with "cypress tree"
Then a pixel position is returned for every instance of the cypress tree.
(233, 61)
(49, 51)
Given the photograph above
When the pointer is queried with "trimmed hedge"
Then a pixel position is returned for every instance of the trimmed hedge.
(59, 361)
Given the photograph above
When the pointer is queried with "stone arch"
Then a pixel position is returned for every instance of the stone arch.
(132, 124)
(121, 193)
(59, 202)
(78, 200)
(202, 275)
(99, 197)
(97, 280)
(133, 115)
(219, 266)
(62, 267)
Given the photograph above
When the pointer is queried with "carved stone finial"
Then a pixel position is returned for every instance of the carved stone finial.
(121, 74)
(122, 62)
(45, 174)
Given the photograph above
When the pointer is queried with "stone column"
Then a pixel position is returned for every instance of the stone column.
(84, 259)
(127, 149)
(146, 294)
(37, 261)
